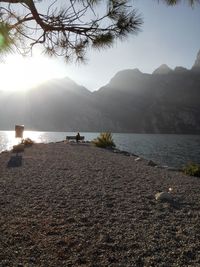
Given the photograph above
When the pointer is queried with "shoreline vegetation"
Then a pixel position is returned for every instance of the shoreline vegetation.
(68, 204)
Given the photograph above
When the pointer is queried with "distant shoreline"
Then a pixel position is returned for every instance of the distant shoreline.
(148, 133)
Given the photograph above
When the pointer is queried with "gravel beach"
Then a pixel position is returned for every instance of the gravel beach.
(67, 204)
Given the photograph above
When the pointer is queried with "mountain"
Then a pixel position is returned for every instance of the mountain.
(196, 66)
(57, 105)
(180, 69)
(166, 101)
(163, 69)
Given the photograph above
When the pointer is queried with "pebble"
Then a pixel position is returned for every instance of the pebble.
(163, 196)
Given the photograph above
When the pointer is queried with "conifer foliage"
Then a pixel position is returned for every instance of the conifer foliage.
(65, 28)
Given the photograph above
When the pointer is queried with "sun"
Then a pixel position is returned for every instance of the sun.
(21, 73)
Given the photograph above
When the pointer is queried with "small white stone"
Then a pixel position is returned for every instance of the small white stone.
(138, 159)
(163, 196)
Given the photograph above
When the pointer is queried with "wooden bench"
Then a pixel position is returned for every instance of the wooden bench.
(73, 137)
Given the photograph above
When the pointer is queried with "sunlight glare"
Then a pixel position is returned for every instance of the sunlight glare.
(21, 73)
(10, 140)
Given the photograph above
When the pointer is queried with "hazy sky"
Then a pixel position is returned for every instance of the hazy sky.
(169, 35)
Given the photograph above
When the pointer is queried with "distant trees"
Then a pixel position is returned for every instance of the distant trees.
(67, 28)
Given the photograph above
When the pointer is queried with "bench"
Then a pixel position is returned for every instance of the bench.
(73, 137)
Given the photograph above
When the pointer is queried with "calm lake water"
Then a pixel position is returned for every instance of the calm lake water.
(168, 150)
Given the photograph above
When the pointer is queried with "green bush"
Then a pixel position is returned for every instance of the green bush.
(27, 142)
(105, 140)
(192, 169)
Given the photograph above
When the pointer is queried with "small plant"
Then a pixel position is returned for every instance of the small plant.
(105, 140)
(27, 142)
(192, 169)
(18, 148)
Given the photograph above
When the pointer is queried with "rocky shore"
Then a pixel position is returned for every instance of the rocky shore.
(67, 204)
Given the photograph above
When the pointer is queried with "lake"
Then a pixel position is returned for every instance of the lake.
(164, 149)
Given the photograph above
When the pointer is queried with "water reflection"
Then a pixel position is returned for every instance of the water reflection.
(8, 140)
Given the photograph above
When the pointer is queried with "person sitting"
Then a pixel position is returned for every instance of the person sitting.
(78, 137)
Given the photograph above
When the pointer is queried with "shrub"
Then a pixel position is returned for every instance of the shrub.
(18, 148)
(27, 142)
(192, 169)
(104, 140)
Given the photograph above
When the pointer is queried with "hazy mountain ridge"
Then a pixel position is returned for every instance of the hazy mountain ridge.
(166, 101)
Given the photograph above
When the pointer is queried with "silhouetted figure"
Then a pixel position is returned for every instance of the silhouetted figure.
(78, 137)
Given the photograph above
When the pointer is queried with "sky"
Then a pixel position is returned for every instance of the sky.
(169, 35)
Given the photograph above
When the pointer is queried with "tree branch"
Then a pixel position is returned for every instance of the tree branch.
(69, 31)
